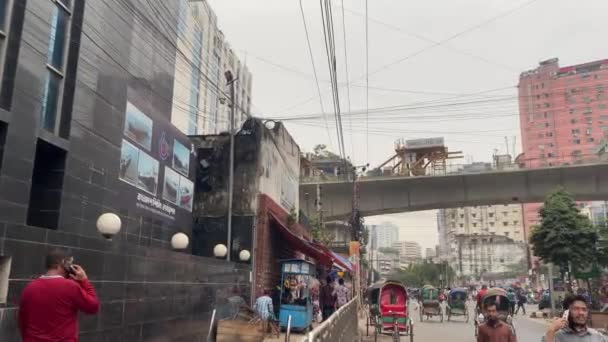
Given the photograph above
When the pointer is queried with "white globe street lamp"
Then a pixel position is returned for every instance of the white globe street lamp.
(179, 241)
(244, 255)
(220, 251)
(108, 225)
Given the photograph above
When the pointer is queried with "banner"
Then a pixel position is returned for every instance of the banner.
(156, 167)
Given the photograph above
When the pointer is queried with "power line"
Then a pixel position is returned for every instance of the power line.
(314, 70)
(454, 36)
(352, 148)
(430, 40)
(326, 19)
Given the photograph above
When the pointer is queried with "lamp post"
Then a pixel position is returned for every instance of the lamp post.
(180, 241)
(108, 225)
(230, 82)
(220, 251)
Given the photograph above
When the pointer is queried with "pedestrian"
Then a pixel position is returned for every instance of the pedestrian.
(512, 300)
(493, 329)
(236, 302)
(480, 295)
(521, 302)
(573, 328)
(49, 305)
(327, 299)
(342, 294)
(263, 306)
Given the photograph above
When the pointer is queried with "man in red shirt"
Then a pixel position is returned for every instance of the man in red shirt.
(49, 305)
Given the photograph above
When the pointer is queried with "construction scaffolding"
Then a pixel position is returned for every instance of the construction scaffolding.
(418, 157)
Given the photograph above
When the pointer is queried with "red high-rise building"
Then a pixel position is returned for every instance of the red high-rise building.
(563, 116)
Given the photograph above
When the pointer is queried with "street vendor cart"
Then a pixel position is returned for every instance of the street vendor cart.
(296, 301)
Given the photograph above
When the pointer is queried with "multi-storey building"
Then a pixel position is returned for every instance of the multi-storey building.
(409, 251)
(386, 234)
(86, 96)
(483, 239)
(202, 96)
(563, 116)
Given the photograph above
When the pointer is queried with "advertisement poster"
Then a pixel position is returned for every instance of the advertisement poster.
(155, 166)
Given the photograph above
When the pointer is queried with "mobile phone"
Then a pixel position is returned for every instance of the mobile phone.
(67, 265)
(566, 314)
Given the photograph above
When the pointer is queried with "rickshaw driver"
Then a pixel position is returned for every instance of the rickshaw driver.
(493, 329)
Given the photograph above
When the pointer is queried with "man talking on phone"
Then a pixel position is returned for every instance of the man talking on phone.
(573, 328)
(49, 305)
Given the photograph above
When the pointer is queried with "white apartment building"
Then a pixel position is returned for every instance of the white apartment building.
(201, 96)
(386, 233)
(409, 251)
(483, 239)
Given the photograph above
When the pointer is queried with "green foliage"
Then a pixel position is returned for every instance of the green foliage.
(564, 235)
(321, 152)
(418, 275)
(318, 231)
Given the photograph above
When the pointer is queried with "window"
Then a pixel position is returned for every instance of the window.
(474, 224)
(53, 87)
(47, 186)
(549, 134)
(577, 141)
(550, 155)
(505, 223)
(587, 99)
(546, 124)
(491, 224)
(590, 140)
(507, 234)
(515, 223)
(587, 111)
(490, 214)
(588, 131)
(572, 111)
(547, 104)
(602, 106)
(474, 215)
(461, 215)
(573, 121)
(575, 131)
(461, 225)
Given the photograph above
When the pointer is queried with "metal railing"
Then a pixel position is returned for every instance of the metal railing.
(342, 326)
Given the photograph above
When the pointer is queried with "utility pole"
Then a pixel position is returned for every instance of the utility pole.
(230, 82)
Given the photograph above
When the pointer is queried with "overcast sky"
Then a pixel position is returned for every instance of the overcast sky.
(455, 48)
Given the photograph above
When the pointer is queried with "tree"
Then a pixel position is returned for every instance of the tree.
(418, 275)
(321, 152)
(564, 237)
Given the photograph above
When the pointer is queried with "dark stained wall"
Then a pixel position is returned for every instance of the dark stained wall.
(148, 291)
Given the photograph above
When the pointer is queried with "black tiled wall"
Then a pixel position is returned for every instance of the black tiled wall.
(148, 291)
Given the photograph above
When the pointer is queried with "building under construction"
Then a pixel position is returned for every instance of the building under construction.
(418, 157)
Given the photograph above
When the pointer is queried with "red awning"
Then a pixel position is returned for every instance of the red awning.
(302, 245)
(337, 259)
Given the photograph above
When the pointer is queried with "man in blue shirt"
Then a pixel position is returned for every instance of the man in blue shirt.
(263, 306)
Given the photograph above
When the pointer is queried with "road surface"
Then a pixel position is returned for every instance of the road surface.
(528, 329)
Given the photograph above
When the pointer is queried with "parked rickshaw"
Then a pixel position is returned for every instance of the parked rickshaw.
(388, 311)
(457, 304)
(503, 306)
(430, 305)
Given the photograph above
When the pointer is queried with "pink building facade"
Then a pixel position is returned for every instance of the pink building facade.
(563, 113)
